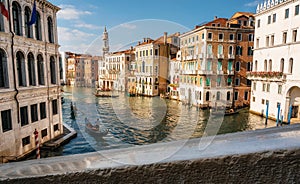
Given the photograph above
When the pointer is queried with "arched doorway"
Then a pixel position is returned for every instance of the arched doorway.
(293, 99)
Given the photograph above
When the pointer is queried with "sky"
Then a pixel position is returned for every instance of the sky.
(81, 22)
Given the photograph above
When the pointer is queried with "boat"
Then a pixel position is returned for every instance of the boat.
(226, 112)
(106, 95)
(95, 130)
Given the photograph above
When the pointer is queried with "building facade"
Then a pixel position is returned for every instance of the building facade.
(214, 59)
(275, 80)
(30, 97)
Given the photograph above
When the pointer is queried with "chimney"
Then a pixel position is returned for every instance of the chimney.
(165, 37)
(139, 43)
(144, 39)
(131, 48)
(216, 17)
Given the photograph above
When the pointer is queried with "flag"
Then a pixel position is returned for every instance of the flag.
(33, 15)
(4, 11)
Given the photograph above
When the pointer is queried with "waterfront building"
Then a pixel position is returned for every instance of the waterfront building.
(214, 59)
(174, 73)
(30, 97)
(275, 80)
(152, 64)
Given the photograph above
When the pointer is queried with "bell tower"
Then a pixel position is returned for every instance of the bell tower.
(105, 48)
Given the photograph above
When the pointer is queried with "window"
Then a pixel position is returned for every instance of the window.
(237, 66)
(24, 116)
(208, 81)
(1, 23)
(230, 50)
(280, 89)
(219, 81)
(250, 38)
(209, 65)
(38, 27)
(28, 29)
(291, 66)
(231, 37)
(52, 70)
(221, 35)
(246, 95)
(250, 51)
(207, 96)
(267, 41)
(6, 120)
(265, 65)
(263, 101)
(209, 49)
(156, 52)
(239, 50)
(272, 40)
(237, 82)
(257, 43)
(268, 88)
(264, 88)
(26, 141)
(31, 69)
(40, 68)
(228, 96)
(294, 35)
(219, 65)
(274, 18)
(239, 37)
(54, 107)
(209, 36)
(236, 96)
(249, 66)
(55, 127)
(229, 66)
(220, 49)
(4, 82)
(269, 19)
(286, 15)
(21, 69)
(270, 65)
(50, 30)
(17, 18)
(249, 83)
(253, 99)
(43, 111)
(297, 10)
(258, 23)
(282, 65)
(44, 133)
(218, 95)
(34, 113)
(254, 86)
(229, 81)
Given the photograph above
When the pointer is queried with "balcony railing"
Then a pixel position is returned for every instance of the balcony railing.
(220, 56)
(231, 56)
(273, 76)
(230, 72)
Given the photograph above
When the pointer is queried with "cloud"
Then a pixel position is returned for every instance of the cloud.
(72, 35)
(128, 26)
(87, 26)
(69, 12)
(253, 3)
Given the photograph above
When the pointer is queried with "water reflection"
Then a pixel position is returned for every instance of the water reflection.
(140, 120)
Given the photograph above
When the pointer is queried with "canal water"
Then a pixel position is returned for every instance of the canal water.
(134, 121)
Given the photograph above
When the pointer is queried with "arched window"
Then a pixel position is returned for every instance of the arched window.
(28, 29)
(38, 27)
(230, 50)
(265, 65)
(50, 30)
(237, 66)
(239, 50)
(220, 49)
(17, 18)
(228, 96)
(52, 70)
(41, 75)
(200, 95)
(209, 49)
(31, 69)
(282, 65)
(255, 67)
(291, 62)
(207, 96)
(21, 69)
(4, 82)
(270, 65)
(218, 95)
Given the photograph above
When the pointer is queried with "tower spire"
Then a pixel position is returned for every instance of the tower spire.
(105, 48)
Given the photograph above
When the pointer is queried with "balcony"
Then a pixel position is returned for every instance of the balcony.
(267, 76)
(230, 72)
(220, 56)
(231, 56)
(205, 72)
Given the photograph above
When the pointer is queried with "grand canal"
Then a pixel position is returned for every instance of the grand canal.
(136, 121)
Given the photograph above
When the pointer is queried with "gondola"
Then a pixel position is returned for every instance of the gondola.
(95, 130)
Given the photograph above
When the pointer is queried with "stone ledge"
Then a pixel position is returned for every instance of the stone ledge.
(255, 156)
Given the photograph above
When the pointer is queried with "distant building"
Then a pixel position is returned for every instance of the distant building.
(30, 97)
(275, 79)
(214, 60)
(152, 64)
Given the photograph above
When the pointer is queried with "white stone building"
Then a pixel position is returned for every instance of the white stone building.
(30, 95)
(275, 79)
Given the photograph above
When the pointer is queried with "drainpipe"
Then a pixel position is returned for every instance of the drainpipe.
(14, 67)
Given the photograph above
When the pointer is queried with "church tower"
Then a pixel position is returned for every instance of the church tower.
(105, 42)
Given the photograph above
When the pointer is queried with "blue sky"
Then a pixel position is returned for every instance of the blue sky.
(81, 22)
